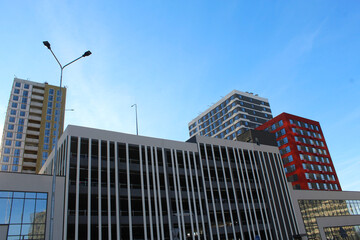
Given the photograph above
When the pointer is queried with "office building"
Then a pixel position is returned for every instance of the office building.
(30, 125)
(327, 215)
(232, 115)
(304, 152)
(121, 186)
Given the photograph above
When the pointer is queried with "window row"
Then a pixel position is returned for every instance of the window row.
(305, 125)
(308, 133)
(316, 167)
(311, 150)
(315, 176)
(323, 186)
(309, 141)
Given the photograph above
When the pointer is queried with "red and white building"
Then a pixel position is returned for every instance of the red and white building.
(304, 152)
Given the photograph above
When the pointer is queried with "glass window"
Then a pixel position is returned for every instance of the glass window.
(46, 139)
(11, 127)
(46, 147)
(17, 152)
(22, 114)
(24, 100)
(14, 168)
(4, 168)
(18, 136)
(15, 98)
(51, 98)
(14, 105)
(6, 159)
(20, 128)
(21, 121)
(48, 111)
(51, 91)
(17, 144)
(47, 125)
(25, 93)
(9, 134)
(47, 132)
(23, 106)
(7, 150)
(12, 112)
(16, 91)
(16, 160)
(48, 117)
(26, 86)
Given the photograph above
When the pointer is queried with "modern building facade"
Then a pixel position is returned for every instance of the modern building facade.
(327, 215)
(25, 206)
(121, 186)
(231, 116)
(304, 152)
(30, 125)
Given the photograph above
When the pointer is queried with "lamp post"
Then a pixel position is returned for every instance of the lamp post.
(137, 128)
(87, 53)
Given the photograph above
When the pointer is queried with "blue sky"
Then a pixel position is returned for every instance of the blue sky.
(175, 58)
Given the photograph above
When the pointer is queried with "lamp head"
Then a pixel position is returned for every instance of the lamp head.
(87, 53)
(47, 44)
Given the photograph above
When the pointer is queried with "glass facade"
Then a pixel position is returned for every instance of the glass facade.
(311, 209)
(25, 213)
(345, 232)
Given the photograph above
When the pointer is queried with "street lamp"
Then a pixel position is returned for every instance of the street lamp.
(137, 128)
(87, 53)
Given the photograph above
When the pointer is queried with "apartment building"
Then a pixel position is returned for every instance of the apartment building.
(30, 125)
(304, 152)
(231, 116)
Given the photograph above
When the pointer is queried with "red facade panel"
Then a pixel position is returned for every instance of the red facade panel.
(305, 155)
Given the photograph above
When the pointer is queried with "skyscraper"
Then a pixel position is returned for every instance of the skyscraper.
(231, 116)
(30, 125)
(305, 155)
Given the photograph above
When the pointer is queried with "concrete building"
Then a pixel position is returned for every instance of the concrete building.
(231, 116)
(121, 186)
(327, 215)
(304, 152)
(30, 125)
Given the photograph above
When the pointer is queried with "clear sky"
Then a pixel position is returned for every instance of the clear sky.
(175, 58)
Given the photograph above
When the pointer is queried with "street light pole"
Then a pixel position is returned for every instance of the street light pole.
(87, 53)
(137, 127)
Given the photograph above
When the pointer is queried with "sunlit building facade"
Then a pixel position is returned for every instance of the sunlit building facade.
(121, 186)
(30, 125)
(306, 158)
(327, 215)
(231, 116)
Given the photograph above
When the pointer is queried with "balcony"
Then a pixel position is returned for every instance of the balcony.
(35, 133)
(34, 125)
(29, 164)
(31, 148)
(31, 156)
(34, 110)
(32, 140)
(36, 90)
(41, 98)
(35, 118)
(36, 104)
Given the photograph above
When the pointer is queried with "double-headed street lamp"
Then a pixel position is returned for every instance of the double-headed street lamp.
(87, 53)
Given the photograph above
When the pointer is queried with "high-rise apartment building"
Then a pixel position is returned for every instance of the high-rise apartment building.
(231, 116)
(305, 155)
(30, 125)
